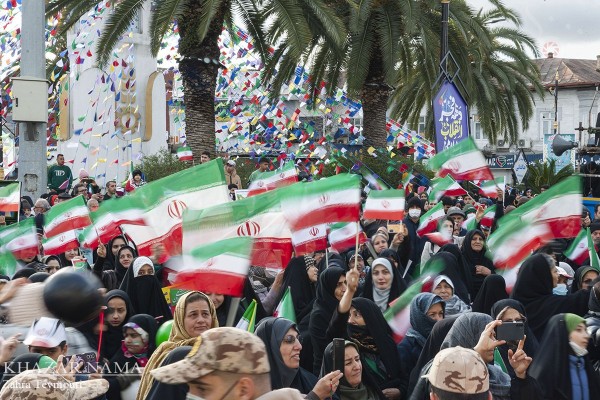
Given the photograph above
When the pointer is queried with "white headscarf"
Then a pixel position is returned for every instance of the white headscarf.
(381, 296)
(139, 263)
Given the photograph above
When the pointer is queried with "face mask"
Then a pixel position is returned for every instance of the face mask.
(189, 396)
(577, 349)
(414, 213)
(560, 290)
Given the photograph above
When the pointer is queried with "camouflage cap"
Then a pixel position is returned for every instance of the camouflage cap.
(219, 349)
(459, 370)
(46, 384)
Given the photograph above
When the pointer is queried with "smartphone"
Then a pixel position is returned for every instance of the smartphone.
(339, 350)
(510, 331)
(90, 362)
(394, 228)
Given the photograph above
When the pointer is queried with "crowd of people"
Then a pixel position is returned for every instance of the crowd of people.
(450, 349)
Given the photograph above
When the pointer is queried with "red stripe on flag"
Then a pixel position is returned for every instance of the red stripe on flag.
(212, 282)
(77, 222)
(272, 252)
(328, 214)
(382, 214)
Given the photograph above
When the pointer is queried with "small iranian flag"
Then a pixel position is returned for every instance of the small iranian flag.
(20, 239)
(470, 223)
(114, 212)
(88, 237)
(554, 207)
(515, 240)
(66, 216)
(285, 308)
(60, 243)
(445, 186)
(10, 197)
(284, 176)
(8, 263)
(384, 204)
(309, 240)
(165, 200)
(594, 262)
(489, 188)
(248, 320)
(429, 221)
(579, 250)
(342, 236)
(488, 216)
(463, 161)
(258, 217)
(374, 182)
(328, 200)
(439, 238)
(185, 153)
(220, 267)
(398, 315)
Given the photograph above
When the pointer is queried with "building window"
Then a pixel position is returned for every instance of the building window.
(546, 123)
(421, 124)
(477, 131)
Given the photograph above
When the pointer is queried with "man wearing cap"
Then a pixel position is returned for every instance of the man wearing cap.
(458, 373)
(231, 176)
(225, 364)
(458, 216)
(263, 166)
(47, 336)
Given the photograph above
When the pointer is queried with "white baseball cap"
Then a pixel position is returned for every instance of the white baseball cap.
(46, 332)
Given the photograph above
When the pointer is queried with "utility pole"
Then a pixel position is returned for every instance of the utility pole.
(32, 162)
(444, 38)
(555, 125)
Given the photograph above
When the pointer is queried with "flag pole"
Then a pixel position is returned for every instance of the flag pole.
(233, 306)
(356, 246)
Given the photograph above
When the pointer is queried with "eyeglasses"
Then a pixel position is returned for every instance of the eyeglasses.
(291, 339)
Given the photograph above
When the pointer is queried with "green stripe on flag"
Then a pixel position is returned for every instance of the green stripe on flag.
(240, 247)
(462, 147)
(248, 320)
(285, 309)
(594, 262)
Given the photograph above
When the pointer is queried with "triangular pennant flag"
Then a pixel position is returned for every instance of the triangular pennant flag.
(248, 320)
(285, 308)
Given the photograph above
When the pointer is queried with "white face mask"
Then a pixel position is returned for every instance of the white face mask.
(189, 396)
(414, 213)
(578, 350)
(560, 290)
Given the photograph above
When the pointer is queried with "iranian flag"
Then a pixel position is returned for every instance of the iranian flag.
(115, 212)
(384, 204)
(429, 221)
(66, 216)
(309, 240)
(463, 161)
(283, 176)
(20, 239)
(61, 243)
(10, 197)
(398, 315)
(515, 240)
(165, 200)
(489, 188)
(556, 208)
(328, 200)
(488, 216)
(342, 236)
(594, 261)
(445, 186)
(439, 238)
(185, 153)
(285, 308)
(470, 223)
(259, 217)
(579, 250)
(248, 320)
(88, 237)
(219, 267)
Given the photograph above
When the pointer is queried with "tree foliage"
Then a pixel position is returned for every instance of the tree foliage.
(540, 174)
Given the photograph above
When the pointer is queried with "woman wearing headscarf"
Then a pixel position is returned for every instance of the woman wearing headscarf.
(118, 311)
(584, 276)
(592, 321)
(138, 344)
(453, 268)
(492, 290)
(222, 304)
(144, 290)
(330, 289)
(283, 349)
(446, 228)
(476, 331)
(194, 314)
(563, 370)
(382, 284)
(163, 391)
(425, 310)
(356, 383)
(124, 259)
(394, 259)
(536, 279)
(509, 310)
(474, 251)
(444, 287)
(113, 247)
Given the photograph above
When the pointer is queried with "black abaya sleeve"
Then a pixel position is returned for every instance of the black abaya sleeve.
(337, 326)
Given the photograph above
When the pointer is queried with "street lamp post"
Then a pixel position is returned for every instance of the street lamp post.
(444, 38)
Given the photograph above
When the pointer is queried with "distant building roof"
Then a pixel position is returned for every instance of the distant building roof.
(571, 72)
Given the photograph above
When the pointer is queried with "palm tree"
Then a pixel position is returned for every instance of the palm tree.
(540, 174)
(499, 78)
(296, 24)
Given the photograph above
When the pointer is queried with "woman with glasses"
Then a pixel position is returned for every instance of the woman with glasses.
(283, 345)
(509, 310)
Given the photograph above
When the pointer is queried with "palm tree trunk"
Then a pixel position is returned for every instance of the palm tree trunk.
(374, 100)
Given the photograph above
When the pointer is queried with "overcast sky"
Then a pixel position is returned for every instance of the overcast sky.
(573, 25)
